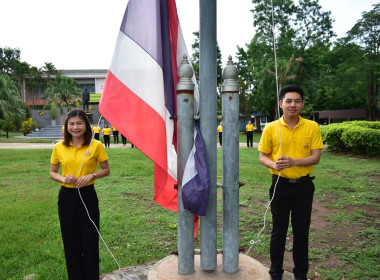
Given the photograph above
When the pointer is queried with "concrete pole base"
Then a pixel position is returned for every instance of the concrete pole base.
(249, 268)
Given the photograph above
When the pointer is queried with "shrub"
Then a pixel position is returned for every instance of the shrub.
(26, 126)
(358, 137)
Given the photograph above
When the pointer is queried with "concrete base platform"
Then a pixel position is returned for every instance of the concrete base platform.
(249, 268)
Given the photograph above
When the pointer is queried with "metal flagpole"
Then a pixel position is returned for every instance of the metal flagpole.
(207, 112)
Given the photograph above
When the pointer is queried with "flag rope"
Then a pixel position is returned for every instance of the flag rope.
(253, 242)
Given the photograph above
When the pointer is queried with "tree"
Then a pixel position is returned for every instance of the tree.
(219, 69)
(11, 105)
(63, 90)
(297, 29)
(344, 86)
(366, 33)
(8, 58)
(313, 27)
(49, 70)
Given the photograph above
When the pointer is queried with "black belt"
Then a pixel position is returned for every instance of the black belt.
(303, 179)
(82, 189)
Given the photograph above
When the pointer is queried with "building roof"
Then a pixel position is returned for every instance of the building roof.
(344, 114)
(85, 73)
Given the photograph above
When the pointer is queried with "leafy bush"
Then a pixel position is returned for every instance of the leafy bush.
(26, 126)
(358, 137)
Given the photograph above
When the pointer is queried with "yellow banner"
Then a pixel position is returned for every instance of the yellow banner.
(95, 97)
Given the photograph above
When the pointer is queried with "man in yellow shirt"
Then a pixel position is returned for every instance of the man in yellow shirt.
(249, 131)
(96, 130)
(220, 132)
(115, 135)
(291, 162)
(106, 135)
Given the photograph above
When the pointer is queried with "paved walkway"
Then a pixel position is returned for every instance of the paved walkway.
(51, 145)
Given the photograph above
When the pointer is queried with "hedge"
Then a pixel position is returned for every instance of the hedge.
(358, 137)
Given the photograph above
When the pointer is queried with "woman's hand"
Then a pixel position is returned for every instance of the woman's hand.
(69, 179)
(84, 180)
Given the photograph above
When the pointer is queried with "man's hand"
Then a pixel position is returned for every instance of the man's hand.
(284, 162)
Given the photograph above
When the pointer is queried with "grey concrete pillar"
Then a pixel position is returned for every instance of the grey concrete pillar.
(207, 112)
(185, 140)
(230, 112)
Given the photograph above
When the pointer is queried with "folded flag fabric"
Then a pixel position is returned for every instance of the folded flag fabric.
(196, 179)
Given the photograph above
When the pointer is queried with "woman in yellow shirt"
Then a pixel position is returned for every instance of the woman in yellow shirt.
(106, 134)
(79, 158)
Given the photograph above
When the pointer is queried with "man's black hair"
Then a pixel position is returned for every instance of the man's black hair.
(290, 88)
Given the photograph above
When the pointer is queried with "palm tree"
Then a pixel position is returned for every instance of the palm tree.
(63, 90)
(11, 105)
(49, 69)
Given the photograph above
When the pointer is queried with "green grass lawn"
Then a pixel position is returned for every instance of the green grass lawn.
(12, 139)
(137, 230)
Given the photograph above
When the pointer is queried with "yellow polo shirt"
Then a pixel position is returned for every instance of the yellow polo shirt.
(220, 128)
(114, 129)
(70, 159)
(249, 127)
(106, 131)
(96, 129)
(296, 143)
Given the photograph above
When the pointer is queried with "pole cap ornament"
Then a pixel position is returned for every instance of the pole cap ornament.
(185, 74)
(230, 76)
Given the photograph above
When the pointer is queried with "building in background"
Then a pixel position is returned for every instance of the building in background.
(92, 79)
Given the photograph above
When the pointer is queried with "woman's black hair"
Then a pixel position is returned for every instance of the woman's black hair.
(87, 135)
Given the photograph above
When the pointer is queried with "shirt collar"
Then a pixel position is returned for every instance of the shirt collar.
(300, 121)
(71, 144)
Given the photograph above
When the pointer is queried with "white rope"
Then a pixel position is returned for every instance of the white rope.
(253, 242)
(88, 214)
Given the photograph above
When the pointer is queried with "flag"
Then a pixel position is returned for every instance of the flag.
(139, 96)
(196, 179)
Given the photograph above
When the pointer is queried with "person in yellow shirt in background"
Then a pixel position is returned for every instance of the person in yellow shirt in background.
(79, 162)
(290, 161)
(115, 135)
(249, 131)
(96, 130)
(220, 132)
(106, 135)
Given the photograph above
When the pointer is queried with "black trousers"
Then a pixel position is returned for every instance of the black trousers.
(96, 136)
(220, 138)
(249, 138)
(107, 141)
(116, 137)
(295, 200)
(123, 139)
(80, 238)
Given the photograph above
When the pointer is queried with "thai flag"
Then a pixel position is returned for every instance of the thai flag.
(139, 97)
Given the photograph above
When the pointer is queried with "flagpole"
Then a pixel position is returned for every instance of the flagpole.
(230, 105)
(207, 112)
(185, 136)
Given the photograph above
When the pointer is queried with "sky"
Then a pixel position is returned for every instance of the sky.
(81, 34)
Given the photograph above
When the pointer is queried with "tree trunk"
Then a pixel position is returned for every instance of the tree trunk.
(373, 92)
